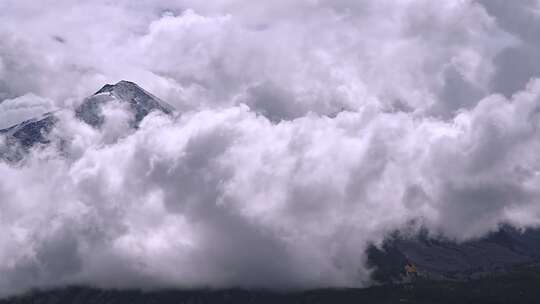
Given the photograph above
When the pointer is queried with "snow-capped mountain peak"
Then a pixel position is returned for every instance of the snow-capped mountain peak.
(140, 102)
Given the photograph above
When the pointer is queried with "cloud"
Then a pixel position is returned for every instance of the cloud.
(516, 64)
(13, 111)
(326, 56)
(228, 198)
(306, 131)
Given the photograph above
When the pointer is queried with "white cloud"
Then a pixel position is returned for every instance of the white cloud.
(260, 180)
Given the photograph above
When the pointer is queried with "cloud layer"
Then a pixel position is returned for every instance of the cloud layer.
(306, 131)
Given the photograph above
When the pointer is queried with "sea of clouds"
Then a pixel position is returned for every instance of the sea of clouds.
(305, 131)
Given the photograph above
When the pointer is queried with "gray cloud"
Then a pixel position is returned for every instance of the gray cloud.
(517, 63)
(306, 131)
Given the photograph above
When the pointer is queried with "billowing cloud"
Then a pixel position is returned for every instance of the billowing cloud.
(306, 131)
(281, 57)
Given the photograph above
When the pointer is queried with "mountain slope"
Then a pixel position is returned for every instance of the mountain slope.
(500, 251)
(23, 136)
(518, 286)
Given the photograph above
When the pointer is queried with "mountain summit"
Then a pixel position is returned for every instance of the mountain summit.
(140, 102)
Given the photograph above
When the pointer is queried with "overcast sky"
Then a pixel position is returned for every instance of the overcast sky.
(305, 131)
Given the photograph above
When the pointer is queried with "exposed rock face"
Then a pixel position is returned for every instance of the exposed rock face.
(140, 102)
(21, 137)
(31, 131)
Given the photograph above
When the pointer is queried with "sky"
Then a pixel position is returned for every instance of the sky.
(305, 131)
